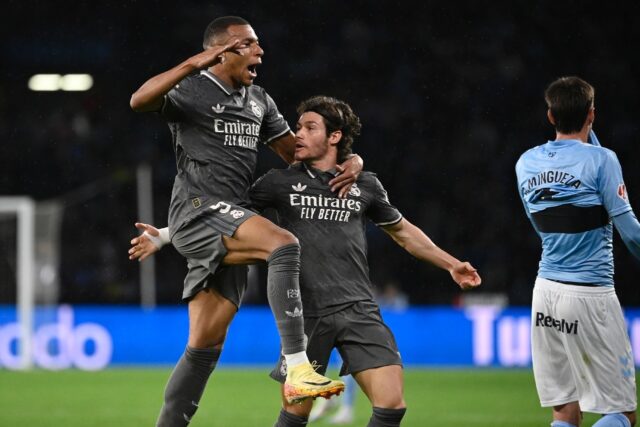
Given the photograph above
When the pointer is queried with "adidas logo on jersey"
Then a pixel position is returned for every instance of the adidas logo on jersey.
(295, 313)
(299, 187)
(218, 108)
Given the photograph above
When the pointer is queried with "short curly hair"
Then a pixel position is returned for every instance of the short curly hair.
(337, 115)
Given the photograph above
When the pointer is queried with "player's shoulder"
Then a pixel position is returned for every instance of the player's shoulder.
(598, 153)
(367, 176)
(531, 152)
(257, 91)
(280, 175)
(187, 85)
(191, 80)
(368, 180)
(266, 180)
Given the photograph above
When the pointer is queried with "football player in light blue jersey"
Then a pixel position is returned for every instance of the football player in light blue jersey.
(572, 191)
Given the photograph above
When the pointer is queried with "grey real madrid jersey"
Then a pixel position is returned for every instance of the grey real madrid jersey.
(334, 271)
(216, 131)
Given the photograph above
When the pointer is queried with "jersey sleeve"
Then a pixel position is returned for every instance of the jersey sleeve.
(611, 185)
(380, 210)
(629, 229)
(261, 192)
(273, 124)
(176, 102)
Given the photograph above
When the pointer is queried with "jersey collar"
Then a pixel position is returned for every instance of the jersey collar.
(315, 173)
(561, 142)
(222, 85)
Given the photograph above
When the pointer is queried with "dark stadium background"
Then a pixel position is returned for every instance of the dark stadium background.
(450, 94)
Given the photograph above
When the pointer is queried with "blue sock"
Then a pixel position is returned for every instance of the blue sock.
(557, 423)
(613, 420)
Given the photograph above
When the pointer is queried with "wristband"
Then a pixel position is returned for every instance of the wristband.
(162, 239)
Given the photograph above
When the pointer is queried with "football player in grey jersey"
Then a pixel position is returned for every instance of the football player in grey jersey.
(339, 307)
(217, 117)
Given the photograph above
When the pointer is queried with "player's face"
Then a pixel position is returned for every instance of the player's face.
(242, 67)
(312, 142)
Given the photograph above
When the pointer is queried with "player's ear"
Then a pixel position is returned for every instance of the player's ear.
(550, 117)
(591, 116)
(335, 137)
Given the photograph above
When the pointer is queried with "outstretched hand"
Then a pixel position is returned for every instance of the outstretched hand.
(348, 174)
(465, 275)
(142, 246)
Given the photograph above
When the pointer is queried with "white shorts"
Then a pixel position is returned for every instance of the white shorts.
(580, 348)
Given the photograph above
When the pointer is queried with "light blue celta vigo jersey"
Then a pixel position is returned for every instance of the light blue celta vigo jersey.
(570, 191)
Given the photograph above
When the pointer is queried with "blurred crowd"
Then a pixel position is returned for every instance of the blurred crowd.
(449, 94)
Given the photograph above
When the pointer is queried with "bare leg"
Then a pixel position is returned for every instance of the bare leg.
(384, 388)
(569, 413)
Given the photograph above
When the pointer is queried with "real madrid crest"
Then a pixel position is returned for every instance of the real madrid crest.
(354, 190)
(255, 108)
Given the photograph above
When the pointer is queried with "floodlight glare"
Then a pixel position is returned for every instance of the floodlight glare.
(45, 82)
(76, 82)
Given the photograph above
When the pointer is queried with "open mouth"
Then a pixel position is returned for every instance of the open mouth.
(253, 70)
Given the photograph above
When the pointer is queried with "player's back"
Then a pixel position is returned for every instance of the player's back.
(566, 188)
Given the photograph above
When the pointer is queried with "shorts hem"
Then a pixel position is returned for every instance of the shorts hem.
(607, 411)
(187, 297)
(374, 366)
(549, 403)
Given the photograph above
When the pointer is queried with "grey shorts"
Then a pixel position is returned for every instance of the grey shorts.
(358, 332)
(200, 242)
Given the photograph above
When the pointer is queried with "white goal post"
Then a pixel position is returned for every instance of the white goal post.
(24, 209)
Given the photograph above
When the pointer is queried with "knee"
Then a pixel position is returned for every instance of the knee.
(199, 341)
(391, 401)
(283, 238)
(208, 338)
(632, 417)
(397, 404)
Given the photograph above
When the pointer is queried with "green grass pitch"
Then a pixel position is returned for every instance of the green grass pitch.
(248, 398)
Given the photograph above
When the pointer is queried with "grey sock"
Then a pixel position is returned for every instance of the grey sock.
(290, 420)
(283, 292)
(383, 417)
(186, 385)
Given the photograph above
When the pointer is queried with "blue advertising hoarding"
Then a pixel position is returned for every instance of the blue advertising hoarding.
(96, 337)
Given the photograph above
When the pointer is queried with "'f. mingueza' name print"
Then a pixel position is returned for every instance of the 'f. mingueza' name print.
(551, 177)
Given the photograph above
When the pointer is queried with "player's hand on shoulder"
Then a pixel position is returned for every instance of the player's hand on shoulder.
(465, 275)
(348, 173)
(143, 245)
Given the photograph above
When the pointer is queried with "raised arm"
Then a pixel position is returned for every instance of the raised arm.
(149, 96)
(285, 147)
(418, 244)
